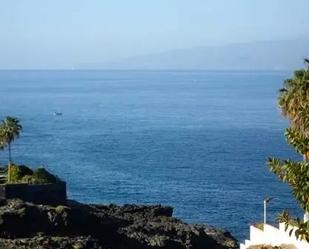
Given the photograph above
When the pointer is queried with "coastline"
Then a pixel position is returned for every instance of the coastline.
(77, 225)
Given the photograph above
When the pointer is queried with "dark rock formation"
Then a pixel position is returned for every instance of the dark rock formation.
(47, 242)
(76, 225)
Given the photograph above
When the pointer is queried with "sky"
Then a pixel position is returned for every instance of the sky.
(66, 33)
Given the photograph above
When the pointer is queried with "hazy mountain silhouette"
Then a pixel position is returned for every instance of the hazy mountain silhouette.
(264, 55)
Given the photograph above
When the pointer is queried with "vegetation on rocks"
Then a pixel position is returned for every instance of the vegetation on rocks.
(23, 174)
(41, 175)
(18, 172)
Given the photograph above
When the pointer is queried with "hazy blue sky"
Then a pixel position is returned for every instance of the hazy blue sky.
(63, 33)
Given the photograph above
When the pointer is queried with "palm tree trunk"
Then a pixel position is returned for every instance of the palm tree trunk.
(10, 157)
(9, 166)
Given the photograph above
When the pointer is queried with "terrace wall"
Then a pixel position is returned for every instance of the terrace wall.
(36, 193)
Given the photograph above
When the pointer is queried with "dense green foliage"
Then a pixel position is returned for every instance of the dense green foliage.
(23, 174)
(294, 103)
(18, 172)
(41, 175)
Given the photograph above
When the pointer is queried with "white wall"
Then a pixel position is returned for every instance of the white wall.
(273, 236)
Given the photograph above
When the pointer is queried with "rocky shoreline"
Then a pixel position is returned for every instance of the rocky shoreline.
(80, 226)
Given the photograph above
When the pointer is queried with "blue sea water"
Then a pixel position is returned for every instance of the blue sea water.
(195, 140)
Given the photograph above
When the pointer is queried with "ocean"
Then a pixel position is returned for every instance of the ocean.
(195, 140)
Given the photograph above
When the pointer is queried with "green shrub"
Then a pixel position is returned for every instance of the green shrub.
(41, 175)
(28, 179)
(18, 172)
(23, 174)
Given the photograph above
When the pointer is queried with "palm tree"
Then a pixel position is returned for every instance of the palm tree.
(294, 103)
(293, 100)
(2, 142)
(9, 130)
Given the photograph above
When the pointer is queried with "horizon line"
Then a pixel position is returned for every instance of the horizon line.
(145, 70)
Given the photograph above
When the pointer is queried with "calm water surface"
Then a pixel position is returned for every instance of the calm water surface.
(195, 140)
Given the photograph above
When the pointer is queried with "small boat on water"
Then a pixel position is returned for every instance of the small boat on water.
(57, 113)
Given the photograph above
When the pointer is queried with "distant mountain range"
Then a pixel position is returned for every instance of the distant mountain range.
(264, 55)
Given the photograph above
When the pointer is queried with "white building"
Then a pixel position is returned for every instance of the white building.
(270, 235)
(265, 234)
